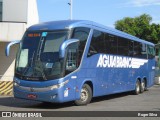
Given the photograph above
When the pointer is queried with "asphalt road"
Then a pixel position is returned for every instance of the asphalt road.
(148, 101)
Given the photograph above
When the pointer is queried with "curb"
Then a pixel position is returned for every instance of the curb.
(6, 88)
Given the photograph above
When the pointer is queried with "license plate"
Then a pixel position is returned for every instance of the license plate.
(32, 96)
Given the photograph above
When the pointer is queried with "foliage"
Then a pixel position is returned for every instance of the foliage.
(140, 27)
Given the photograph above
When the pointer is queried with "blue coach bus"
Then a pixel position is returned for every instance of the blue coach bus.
(76, 60)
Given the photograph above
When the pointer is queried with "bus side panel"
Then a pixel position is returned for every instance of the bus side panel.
(95, 74)
(108, 80)
(69, 89)
(151, 72)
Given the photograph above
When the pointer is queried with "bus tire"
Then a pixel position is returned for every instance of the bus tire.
(143, 86)
(137, 88)
(86, 95)
(145, 89)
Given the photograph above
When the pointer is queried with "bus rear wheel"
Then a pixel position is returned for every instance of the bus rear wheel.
(86, 95)
(137, 88)
(143, 86)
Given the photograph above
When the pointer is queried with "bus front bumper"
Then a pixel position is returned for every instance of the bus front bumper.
(54, 96)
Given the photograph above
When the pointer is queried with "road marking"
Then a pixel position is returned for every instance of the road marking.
(6, 88)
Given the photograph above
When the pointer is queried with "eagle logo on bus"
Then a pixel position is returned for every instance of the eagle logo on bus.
(111, 61)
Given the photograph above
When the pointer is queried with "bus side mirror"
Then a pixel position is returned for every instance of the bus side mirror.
(9, 46)
(64, 45)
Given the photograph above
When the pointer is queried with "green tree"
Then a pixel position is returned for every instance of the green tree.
(140, 27)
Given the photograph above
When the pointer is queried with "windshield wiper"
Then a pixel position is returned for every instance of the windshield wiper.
(32, 58)
(38, 65)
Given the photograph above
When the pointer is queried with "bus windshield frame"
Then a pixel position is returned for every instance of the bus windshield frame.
(38, 56)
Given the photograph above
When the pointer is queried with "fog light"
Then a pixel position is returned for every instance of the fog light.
(53, 97)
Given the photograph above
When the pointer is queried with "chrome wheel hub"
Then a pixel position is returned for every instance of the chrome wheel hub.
(138, 88)
(84, 94)
(143, 85)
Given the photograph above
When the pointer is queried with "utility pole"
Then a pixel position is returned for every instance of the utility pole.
(71, 9)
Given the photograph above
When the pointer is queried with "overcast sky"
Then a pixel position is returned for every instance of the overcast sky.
(105, 12)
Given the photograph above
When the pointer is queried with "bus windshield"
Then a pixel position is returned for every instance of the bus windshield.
(38, 57)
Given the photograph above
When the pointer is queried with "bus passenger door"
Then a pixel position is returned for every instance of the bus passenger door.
(70, 66)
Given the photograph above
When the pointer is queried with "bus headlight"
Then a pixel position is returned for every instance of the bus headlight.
(16, 82)
(59, 85)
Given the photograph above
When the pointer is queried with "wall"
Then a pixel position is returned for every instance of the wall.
(17, 15)
(11, 31)
(15, 10)
(7, 63)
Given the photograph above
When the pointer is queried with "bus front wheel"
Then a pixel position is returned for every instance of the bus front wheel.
(86, 95)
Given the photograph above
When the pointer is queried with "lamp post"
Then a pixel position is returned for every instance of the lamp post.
(71, 5)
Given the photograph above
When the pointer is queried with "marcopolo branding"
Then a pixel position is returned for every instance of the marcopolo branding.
(111, 61)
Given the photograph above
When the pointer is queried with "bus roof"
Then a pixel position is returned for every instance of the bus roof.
(68, 24)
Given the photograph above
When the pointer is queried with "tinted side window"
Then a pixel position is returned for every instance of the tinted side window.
(110, 44)
(151, 52)
(144, 51)
(81, 33)
(97, 43)
(130, 48)
(72, 58)
(140, 50)
(123, 46)
(137, 49)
